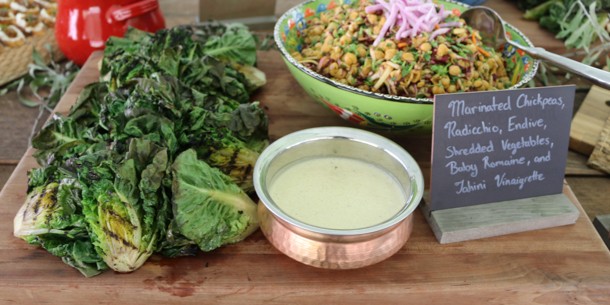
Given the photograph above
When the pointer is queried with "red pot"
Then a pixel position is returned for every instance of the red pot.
(83, 26)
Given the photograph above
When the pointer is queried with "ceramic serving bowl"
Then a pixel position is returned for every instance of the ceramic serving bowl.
(337, 248)
(374, 110)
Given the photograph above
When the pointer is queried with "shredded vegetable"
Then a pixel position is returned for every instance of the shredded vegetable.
(435, 52)
(412, 17)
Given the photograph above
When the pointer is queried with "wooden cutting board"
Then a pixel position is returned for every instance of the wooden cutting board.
(552, 266)
(589, 120)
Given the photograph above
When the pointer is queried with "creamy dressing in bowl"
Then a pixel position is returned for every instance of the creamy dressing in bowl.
(337, 192)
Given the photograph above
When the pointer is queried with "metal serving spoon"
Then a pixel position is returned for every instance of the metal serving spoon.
(493, 33)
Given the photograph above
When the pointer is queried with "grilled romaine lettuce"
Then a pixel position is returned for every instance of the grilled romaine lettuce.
(126, 207)
(103, 195)
(209, 208)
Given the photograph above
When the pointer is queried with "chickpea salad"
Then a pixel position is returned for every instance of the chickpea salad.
(408, 48)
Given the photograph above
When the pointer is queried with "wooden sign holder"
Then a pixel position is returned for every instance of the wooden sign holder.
(463, 210)
(501, 218)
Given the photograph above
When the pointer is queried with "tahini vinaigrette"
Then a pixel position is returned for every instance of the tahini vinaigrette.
(337, 193)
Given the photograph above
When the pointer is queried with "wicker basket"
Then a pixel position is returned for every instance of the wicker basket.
(14, 61)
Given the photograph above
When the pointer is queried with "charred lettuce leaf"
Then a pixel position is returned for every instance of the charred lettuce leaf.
(126, 208)
(209, 208)
(228, 42)
(52, 218)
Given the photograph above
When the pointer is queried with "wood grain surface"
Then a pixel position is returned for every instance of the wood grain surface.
(589, 121)
(503, 217)
(563, 265)
(551, 266)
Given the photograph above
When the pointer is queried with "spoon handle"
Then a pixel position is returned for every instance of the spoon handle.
(596, 76)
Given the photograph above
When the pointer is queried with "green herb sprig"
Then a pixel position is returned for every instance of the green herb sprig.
(43, 85)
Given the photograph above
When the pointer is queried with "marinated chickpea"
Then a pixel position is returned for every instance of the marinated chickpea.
(317, 30)
(417, 41)
(345, 39)
(455, 70)
(372, 18)
(388, 44)
(408, 57)
(350, 59)
(464, 64)
(389, 54)
(361, 50)
(438, 90)
(341, 73)
(332, 69)
(442, 50)
(485, 84)
(425, 47)
(377, 28)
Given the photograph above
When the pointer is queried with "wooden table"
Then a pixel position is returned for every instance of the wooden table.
(563, 265)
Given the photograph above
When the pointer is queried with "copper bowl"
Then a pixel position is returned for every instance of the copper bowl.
(337, 248)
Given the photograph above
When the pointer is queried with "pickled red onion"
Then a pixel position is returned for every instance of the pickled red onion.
(412, 17)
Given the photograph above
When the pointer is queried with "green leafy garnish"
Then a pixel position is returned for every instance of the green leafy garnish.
(440, 69)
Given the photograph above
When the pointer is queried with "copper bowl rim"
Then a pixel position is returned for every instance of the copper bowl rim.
(409, 165)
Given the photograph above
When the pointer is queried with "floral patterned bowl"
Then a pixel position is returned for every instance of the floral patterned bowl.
(368, 109)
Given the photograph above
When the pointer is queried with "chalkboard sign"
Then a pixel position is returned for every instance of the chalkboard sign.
(499, 145)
